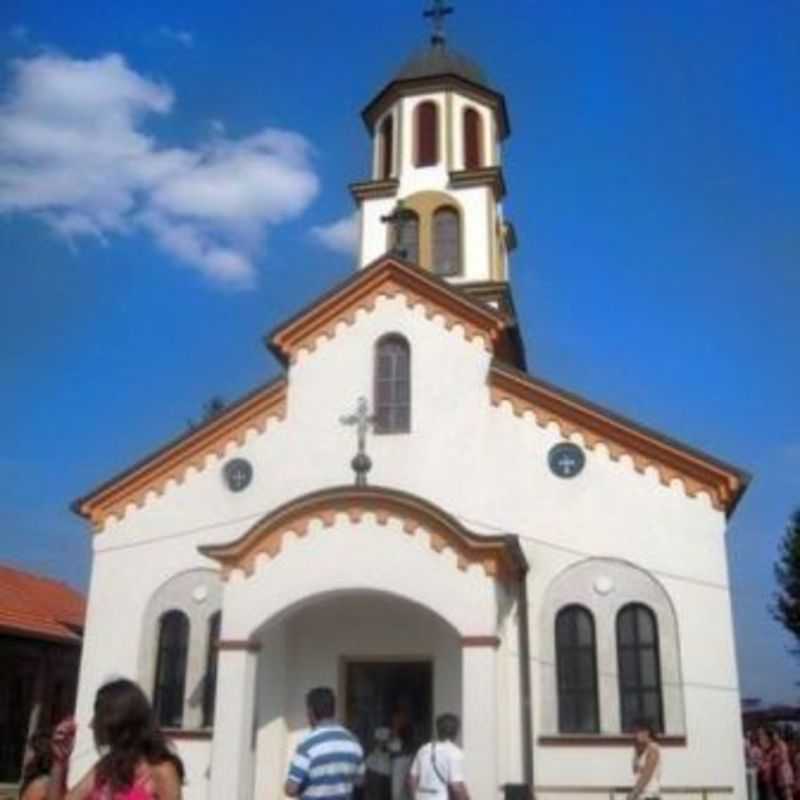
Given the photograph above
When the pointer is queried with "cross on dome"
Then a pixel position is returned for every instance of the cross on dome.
(437, 14)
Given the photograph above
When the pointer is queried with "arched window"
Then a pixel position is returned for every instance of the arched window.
(387, 147)
(408, 236)
(392, 385)
(210, 681)
(173, 645)
(427, 134)
(473, 139)
(639, 667)
(576, 668)
(446, 242)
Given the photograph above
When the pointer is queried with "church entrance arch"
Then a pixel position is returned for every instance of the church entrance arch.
(393, 664)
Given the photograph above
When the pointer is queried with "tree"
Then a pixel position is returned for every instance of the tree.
(212, 408)
(786, 608)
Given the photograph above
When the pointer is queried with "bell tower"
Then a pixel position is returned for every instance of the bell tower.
(436, 189)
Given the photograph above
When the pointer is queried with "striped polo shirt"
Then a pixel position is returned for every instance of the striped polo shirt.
(327, 763)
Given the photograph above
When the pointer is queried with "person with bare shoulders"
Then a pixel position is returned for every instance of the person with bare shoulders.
(138, 763)
(646, 764)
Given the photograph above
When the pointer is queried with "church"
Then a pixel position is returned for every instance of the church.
(412, 517)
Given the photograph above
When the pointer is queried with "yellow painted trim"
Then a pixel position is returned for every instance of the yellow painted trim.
(425, 204)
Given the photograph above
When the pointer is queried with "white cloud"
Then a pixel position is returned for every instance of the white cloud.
(74, 153)
(184, 38)
(340, 236)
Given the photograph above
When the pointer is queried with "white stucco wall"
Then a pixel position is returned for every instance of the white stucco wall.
(480, 463)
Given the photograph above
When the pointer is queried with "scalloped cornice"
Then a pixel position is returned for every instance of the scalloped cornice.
(191, 450)
(697, 471)
(387, 277)
(499, 556)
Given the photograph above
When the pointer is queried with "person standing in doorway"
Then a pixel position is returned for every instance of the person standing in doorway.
(646, 764)
(329, 762)
(437, 772)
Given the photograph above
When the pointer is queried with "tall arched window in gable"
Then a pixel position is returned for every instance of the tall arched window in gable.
(446, 241)
(392, 385)
(210, 680)
(408, 237)
(427, 134)
(473, 139)
(576, 668)
(639, 667)
(387, 147)
(170, 685)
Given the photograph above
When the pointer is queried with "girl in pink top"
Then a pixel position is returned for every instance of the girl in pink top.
(139, 764)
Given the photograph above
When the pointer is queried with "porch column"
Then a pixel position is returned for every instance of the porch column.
(234, 718)
(479, 711)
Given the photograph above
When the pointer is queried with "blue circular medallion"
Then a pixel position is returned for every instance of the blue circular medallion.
(238, 473)
(566, 459)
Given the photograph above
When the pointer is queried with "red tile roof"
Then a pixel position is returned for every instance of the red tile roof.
(38, 607)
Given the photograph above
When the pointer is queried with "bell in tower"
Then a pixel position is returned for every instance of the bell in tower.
(436, 190)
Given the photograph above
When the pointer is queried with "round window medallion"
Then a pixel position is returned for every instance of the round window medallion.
(238, 474)
(566, 460)
(603, 585)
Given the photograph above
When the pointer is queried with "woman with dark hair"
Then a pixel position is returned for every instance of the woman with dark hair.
(36, 772)
(138, 763)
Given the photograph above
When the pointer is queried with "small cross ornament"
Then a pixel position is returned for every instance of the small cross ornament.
(361, 420)
(398, 220)
(437, 14)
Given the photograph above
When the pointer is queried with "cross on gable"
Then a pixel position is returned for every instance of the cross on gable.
(361, 420)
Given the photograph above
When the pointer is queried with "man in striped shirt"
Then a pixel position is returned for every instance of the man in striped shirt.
(329, 761)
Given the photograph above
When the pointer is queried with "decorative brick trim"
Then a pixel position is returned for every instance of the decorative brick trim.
(698, 472)
(601, 740)
(500, 556)
(481, 641)
(388, 277)
(239, 645)
(190, 450)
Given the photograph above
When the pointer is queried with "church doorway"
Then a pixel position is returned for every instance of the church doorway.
(394, 695)
(389, 707)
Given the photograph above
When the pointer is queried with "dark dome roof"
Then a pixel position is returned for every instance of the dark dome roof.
(437, 60)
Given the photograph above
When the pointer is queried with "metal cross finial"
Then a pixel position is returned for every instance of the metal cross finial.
(437, 14)
(398, 219)
(362, 419)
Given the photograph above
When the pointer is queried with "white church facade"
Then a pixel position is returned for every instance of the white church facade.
(503, 549)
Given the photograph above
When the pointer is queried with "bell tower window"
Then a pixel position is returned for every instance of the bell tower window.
(473, 139)
(427, 125)
(446, 242)
(386, 147)
(406, 236)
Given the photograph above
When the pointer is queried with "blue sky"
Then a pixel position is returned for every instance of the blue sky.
(653, 180)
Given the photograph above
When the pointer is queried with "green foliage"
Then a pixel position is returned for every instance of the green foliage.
(786, 608)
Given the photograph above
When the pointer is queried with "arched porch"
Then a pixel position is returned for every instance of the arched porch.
(310, 590)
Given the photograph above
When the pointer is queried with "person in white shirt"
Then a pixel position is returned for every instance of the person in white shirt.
(438, 769)
(646, 764)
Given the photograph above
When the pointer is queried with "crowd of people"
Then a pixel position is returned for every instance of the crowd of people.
(774, 757)
(137, 762)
